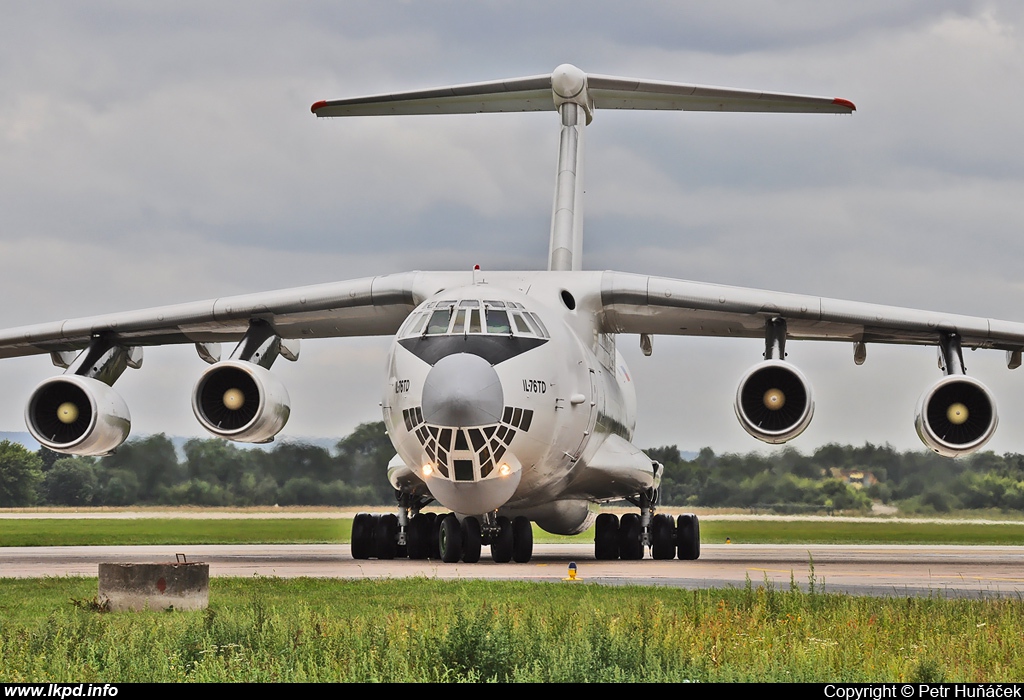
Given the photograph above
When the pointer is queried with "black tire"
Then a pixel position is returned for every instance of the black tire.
(630, 544)
(450, 540)
(606, 537)
(470, 540)
(663, 537)
(385, 538)
(417, 536)
(433, 523)
(363, 526)
(522, 540)
(688, 536)
(501, 543)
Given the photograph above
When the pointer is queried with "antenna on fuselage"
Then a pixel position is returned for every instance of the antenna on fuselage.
(575, 95)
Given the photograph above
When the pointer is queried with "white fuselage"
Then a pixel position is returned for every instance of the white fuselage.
(496, 399)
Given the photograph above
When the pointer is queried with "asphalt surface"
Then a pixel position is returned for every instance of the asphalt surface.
(880, 570)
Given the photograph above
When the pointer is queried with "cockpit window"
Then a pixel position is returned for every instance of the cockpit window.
(521, 325)
(416, 325)
(460, 322)
(438, 324)
(473, 317)
(497, 322)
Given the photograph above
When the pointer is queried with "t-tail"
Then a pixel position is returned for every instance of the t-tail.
(575, 95)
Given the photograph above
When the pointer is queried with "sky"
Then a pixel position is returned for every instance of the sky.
(153, 153)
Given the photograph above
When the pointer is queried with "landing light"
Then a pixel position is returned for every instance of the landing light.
(427, 469)
(504, 469)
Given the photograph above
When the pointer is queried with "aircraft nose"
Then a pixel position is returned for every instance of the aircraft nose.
(461, 391)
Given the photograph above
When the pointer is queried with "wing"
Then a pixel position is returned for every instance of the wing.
(657, 305)
(956, 415)
(369, 306)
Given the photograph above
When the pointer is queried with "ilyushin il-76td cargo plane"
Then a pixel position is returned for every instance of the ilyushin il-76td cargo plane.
(506, 399)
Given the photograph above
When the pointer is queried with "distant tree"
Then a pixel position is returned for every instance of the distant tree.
(71, 481)
(363, 459)
(294, 460)
(217, 462)
(152, 460)
(20, 473)
(47, 457)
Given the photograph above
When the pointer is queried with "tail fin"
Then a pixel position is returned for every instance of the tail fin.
(575, 95)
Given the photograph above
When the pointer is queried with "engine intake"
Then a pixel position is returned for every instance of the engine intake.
(77, 415)
(956, 416)
(774, 402)
(241, 401)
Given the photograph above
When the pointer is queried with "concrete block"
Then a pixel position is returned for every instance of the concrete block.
(181, 586)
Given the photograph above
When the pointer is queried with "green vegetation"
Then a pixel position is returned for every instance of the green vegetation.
(213, 472)
(840, 477)
(183, 531)
(431, 630)
(37, 532)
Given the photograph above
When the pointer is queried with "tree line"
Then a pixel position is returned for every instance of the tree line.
(213, 472)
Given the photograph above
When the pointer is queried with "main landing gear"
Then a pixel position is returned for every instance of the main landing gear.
(625, 537)
(443, 537)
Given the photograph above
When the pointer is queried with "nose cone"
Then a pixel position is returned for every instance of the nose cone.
(462, 391)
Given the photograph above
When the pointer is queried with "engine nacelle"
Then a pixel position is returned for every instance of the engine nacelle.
(241, 401)
(77, 415)
(774, 401)
(956, 416)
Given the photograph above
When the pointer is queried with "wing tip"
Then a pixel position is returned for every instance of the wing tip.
(844, 103)
(317, 105)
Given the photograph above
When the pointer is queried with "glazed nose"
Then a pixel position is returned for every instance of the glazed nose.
(461, 391)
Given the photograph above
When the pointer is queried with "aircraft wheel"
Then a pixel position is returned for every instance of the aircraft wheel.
(630, 544)
(501, 543)
(470, 540)
(606, 537)
(385, 539)
(663, 544)
(432, 531)
(522, 540)
(449, 539)
(417, 534)
(363, 526)
(688, 536)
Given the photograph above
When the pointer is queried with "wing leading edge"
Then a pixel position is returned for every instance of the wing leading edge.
(368, 306)
(657, 305)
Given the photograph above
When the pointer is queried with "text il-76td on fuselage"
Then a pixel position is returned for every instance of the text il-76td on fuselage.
(506, 398)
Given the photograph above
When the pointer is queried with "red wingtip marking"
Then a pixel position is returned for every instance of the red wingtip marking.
(844, 103)
(318, 105)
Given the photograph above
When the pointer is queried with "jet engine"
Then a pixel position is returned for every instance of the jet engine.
(241, 401)
(77, 415)
(956, 416)
(774, 402)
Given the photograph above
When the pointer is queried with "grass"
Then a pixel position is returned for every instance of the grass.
(153, 531)
(260, 630)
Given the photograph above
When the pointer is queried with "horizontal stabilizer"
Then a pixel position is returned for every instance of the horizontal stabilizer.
(535, 94)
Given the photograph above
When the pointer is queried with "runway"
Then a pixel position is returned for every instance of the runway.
(880, 570)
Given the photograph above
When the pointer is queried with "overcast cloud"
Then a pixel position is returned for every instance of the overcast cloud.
(163, 152)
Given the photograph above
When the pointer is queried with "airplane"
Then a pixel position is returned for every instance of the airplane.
(507, 400)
